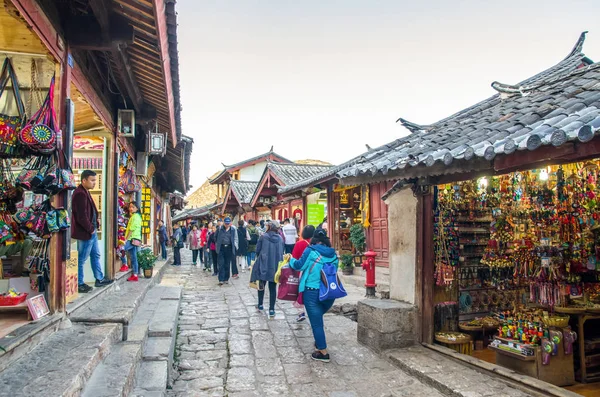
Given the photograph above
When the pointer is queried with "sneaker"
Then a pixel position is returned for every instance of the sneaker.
(318, 356)
(84, 288)
(271, 314)
(226, 282)
(193, 264)
(104, 282)
(301, 317)
(235, 276)
(133, 277)
(220, 283)
(215, 274)
(260, 308)
(124, 268)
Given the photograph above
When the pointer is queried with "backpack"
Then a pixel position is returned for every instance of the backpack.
(253, 236)
(331, 286)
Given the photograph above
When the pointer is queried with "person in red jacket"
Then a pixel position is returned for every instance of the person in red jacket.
(203, 240)
(307, 233)
(84, 229)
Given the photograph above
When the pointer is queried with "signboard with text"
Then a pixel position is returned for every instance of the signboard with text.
(315, 213)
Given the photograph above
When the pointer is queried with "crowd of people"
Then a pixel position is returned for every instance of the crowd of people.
(225, 250)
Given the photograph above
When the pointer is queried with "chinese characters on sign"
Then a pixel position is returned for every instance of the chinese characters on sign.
(146, 203)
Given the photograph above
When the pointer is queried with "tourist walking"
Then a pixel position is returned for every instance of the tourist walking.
(162, 239)
(318, 253)
(177, 241)
(254, 235)
(290, 234)
(84, 229)
(307, 234)
(227, 244)
(212, 242)
(242, 251)
(133, 238)
(203, 241)
(269, 252)
(195, 243)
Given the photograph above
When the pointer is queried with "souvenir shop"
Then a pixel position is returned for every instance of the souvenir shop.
(33, 171)
(517, 271)
(347, 210)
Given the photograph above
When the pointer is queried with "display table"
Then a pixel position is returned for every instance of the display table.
(559, 371)
(463, 344)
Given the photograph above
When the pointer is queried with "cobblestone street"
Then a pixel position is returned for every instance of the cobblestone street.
(225, 347)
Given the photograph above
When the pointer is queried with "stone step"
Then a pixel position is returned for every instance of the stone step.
(454, 378)
(115, 376)
(97, 292)
(62, 363)
(121, 304)
(359, 281)
(160, 312)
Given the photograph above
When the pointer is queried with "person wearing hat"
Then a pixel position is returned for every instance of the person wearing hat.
(227, 245)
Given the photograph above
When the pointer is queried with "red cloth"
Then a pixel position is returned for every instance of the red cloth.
(299, 249)
(203, 236)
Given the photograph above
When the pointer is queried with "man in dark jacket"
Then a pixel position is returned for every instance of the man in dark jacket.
(227, 244)
(84, 227)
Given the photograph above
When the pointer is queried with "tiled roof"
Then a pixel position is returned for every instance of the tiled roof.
(558, 105)
(243, 190)
(227, 168)
(188, 213)
(294, 173)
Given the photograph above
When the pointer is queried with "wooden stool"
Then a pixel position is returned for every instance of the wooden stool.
(462, 343)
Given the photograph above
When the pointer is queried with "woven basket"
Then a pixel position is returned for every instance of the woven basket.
(556, 321)
(460, 337)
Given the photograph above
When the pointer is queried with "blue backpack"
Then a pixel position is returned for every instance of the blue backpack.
(331, 286)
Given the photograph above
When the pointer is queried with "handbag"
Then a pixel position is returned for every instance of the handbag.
(8, 189)
(10, 126)
(39, 135)
(63, 220)
(65, 180)
(289, 283)
(135, 242)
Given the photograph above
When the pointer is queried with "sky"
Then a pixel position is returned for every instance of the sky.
(319, 79)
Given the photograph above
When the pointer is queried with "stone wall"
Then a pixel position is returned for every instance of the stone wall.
(402, 224)
(386, 324)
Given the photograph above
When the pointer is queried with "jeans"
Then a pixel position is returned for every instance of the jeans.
(289, 248)
(215, 261)
(225, 260)
(207, 258)
(250, 256)
(133, 250)
(89, 249)
(176, 256)
(163, 249)
(315, 309)
(241, 263)
(272, 294)
(195, 256)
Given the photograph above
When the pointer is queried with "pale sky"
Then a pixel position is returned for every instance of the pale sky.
(320, 79)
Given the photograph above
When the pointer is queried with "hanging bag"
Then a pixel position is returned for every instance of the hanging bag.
(39, 135)
(289, 283)
(10, 126)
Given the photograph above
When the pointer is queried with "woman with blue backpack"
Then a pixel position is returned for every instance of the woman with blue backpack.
(318, 260)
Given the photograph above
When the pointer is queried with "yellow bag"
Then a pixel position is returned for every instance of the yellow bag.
(254, 285)
(279, 267)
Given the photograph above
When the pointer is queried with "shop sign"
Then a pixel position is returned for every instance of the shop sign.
(315, 213)
(146, 203)
(71, 281)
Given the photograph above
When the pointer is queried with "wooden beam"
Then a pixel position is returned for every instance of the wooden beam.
(87, 33)
(160, 15)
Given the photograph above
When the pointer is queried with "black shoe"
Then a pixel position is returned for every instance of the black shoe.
(318, 356)
(104, 282)
(84, 288)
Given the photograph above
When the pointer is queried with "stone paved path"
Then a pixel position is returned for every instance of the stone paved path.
(226, 348)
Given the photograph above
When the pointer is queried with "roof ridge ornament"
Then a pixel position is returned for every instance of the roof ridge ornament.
(413, 127)
(578, 47)
(513, 89)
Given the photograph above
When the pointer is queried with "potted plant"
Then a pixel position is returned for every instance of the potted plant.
(146, 260)
(358, 240)
(346, 263)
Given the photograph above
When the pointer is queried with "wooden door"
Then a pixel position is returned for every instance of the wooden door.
(377, 233)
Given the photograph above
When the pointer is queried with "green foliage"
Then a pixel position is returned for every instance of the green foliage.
(357, 237)
(347, 261)
(146, 258)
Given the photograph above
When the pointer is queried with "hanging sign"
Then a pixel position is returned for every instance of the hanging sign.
(315, 213)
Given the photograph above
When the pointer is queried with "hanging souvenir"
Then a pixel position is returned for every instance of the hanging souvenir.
(10, 126)
(39, 135)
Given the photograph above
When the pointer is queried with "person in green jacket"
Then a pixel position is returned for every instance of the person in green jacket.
(133, 238)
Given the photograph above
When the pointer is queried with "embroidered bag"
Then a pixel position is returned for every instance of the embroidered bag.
(11, 125)
(39, 135)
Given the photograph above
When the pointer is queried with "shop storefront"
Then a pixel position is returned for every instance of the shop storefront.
(517, 270)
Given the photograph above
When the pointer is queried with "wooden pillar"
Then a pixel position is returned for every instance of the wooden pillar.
(425, 266)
